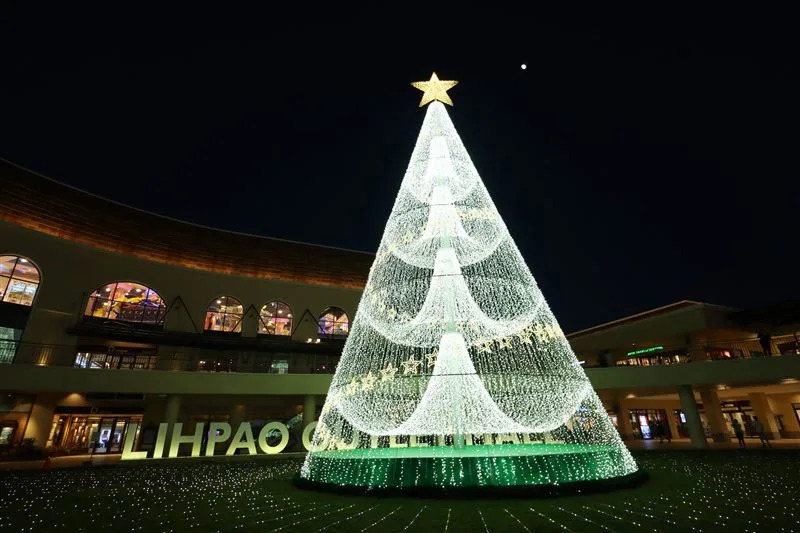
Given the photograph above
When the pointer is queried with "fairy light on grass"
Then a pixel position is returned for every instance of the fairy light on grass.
(723, 490)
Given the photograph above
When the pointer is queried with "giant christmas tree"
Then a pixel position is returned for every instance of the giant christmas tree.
(456, 373)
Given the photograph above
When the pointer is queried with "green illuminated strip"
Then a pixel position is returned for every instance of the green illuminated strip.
(645, 350)
(474, 466)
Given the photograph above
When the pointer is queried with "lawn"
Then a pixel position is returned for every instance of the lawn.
(713, 491)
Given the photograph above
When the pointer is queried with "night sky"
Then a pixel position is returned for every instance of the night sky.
(634, 164)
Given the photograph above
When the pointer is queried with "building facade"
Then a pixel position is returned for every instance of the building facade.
(110, 315)
(105, 310)
(692, 370)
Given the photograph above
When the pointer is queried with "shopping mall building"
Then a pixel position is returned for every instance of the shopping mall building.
(110, 316)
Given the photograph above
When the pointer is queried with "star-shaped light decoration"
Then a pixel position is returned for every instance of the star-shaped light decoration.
(435, 89)
(387, 374)
(525, 336)
(368, 381)
(431, 359)
(352, 387)
(411, 365)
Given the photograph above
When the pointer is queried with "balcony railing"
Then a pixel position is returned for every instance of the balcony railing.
(304, 361)
(168, 358)
(714, 350)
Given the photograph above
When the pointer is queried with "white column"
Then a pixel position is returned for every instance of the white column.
(713, 410)
(762, 409)
(41, 419)
(309, 410)
(171, 412)
(692, 415)
(624, 419)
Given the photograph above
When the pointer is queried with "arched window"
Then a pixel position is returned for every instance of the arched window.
(224, 314)
(127, 301)
(19, 280)
(333, 321)
(276, 319)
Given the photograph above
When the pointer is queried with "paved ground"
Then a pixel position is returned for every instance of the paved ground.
(699, 491)
(685, 444)
(676, 444)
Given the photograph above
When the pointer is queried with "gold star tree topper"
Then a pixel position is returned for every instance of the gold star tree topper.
(435, 89)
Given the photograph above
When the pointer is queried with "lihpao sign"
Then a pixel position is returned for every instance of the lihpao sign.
(272, 438)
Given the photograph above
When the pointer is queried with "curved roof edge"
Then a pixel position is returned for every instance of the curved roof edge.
(33, 201)
(681, 304)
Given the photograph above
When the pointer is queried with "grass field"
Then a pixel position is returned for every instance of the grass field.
(717, 491)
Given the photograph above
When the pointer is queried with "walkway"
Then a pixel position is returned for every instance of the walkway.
(70, 461)
(685, 444)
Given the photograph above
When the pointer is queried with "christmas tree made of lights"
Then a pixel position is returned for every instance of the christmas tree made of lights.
(456, 373)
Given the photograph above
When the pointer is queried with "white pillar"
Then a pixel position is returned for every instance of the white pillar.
(41, 419)
(711, 405)
(171, 412)
(762, 409)
(692, 415)
(624, 420)
(309, 410)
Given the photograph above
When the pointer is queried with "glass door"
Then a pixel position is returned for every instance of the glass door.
(644, 425)
(105, 435)
(77, 433)
(117, 435)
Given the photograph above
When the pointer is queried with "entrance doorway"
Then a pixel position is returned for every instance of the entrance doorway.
(77, 434)
(646, 423)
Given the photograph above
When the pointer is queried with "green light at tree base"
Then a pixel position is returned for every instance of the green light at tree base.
(475, 466)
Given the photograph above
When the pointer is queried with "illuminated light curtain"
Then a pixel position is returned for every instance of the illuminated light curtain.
(452, 335)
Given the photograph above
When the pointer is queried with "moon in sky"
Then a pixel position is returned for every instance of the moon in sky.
(523, 66)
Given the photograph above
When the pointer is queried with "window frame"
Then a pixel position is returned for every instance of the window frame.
(333, 333)
(263, 327)
(7, 280)
(95, 296)
(237, 326)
